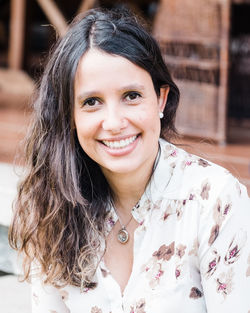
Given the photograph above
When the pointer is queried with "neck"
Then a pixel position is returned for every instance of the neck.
(127, 188)
(128, 191)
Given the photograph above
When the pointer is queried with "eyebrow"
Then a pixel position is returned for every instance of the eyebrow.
(87, 94)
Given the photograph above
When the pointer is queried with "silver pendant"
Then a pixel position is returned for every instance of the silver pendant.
(123, 235)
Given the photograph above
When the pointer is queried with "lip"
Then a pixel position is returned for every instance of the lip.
(121, 151)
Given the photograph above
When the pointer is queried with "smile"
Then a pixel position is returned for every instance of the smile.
(120, 143)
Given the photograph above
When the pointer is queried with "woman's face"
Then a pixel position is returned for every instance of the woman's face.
(116, 112)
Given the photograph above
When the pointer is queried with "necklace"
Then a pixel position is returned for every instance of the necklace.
(123, 235)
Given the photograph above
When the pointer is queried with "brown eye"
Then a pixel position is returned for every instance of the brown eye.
(133, 95)
(90, 102)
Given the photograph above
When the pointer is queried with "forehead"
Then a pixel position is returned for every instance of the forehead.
(100, 69)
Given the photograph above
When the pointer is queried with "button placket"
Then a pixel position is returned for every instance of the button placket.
(112, 288)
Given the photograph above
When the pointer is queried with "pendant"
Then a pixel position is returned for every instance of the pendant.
(122, 235)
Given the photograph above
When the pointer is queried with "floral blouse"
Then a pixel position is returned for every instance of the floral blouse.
(191, 248)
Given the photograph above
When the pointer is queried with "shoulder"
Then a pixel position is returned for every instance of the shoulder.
(194, 177)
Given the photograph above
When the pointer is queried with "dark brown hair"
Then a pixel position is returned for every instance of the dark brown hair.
(61, 204)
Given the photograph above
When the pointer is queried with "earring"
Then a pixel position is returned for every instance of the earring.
(161, 114)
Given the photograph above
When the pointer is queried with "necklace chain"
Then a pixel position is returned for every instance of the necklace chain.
(123, 235)
(124, 225)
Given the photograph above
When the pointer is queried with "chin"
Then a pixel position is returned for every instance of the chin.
(121, 168)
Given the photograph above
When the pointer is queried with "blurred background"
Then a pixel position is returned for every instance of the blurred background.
(205, 43)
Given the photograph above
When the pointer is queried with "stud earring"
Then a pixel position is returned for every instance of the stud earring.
(161, 114)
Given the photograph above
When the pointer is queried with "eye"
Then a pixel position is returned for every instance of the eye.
(132, 95)
(90, 102)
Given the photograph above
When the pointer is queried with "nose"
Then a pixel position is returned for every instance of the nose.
(114, 120)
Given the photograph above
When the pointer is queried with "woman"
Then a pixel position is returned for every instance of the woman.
(111, 217)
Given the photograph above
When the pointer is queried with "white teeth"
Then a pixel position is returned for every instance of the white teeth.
(119, 144)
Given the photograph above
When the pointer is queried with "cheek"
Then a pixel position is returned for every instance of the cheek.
(85, 124)
(85, 139)
(149, 119)
(84, 130)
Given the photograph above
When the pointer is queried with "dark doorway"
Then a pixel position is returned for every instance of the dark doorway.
(239, 74)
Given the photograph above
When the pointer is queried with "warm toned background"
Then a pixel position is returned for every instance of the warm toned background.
(206, 45)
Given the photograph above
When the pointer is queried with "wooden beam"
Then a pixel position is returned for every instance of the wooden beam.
(86, 5)
(17, 24)
(224, 64)
(54, 15)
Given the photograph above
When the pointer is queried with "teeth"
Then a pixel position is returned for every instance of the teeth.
(119, 144)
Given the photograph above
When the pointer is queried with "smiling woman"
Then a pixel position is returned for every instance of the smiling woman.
(117, 116)
(111, 217)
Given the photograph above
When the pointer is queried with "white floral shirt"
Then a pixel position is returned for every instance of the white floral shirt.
(191, 250)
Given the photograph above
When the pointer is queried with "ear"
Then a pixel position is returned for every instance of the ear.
(162, 99)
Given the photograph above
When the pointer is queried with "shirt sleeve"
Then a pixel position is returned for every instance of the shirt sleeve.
(47, 299)
(224, 250)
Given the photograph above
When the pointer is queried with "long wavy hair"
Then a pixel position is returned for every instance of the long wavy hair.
(62, 201)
